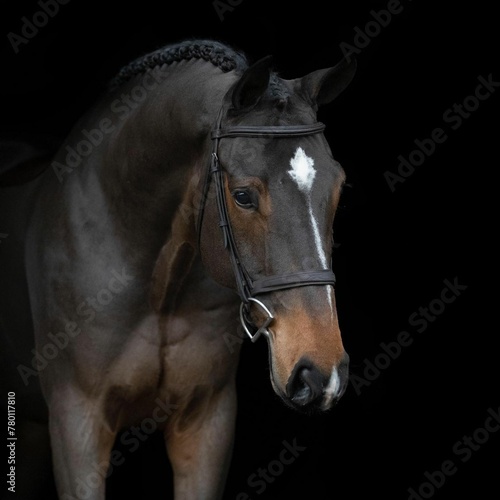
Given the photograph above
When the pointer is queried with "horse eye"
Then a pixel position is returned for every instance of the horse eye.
(243, 199)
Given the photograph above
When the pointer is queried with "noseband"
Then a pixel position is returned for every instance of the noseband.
(247, 287)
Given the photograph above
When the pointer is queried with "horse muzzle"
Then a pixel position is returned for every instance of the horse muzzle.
(308, 390)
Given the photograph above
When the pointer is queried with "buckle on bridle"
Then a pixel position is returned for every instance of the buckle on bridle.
(246, 322)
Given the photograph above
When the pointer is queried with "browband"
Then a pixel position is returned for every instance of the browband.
(269, 131)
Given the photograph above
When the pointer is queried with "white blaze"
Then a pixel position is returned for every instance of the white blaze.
(317, 239)
(303, 173)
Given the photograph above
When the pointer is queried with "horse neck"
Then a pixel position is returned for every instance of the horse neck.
(152, 162)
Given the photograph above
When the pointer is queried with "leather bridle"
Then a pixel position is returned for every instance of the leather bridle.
(247, 287)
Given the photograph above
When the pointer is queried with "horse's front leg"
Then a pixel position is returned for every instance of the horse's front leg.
(81, 445)
(199, 444)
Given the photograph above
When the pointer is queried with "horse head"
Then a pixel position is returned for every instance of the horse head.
(279, 189)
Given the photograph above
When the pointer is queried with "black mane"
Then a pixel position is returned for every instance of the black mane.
(222, 56)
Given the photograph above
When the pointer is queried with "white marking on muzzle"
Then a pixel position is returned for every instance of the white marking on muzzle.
(331, 390)
(303, 173)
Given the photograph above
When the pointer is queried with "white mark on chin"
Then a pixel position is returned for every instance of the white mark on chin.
(331, 390)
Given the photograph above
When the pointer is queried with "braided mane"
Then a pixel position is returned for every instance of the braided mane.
(220, 55)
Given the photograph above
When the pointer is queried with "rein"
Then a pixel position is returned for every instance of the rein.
(248, 288)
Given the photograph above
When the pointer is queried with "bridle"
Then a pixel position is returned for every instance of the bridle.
(248, 288)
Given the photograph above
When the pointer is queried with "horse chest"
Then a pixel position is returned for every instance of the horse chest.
(178, 358)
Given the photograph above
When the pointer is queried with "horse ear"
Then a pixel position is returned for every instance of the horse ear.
(253, 83)
(324, 85)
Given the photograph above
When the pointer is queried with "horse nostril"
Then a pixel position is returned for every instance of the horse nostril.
(305, 384)
(310, 383)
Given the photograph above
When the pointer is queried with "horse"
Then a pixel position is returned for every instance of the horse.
(198, 190)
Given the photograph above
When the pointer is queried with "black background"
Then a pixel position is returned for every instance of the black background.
(395, 249)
